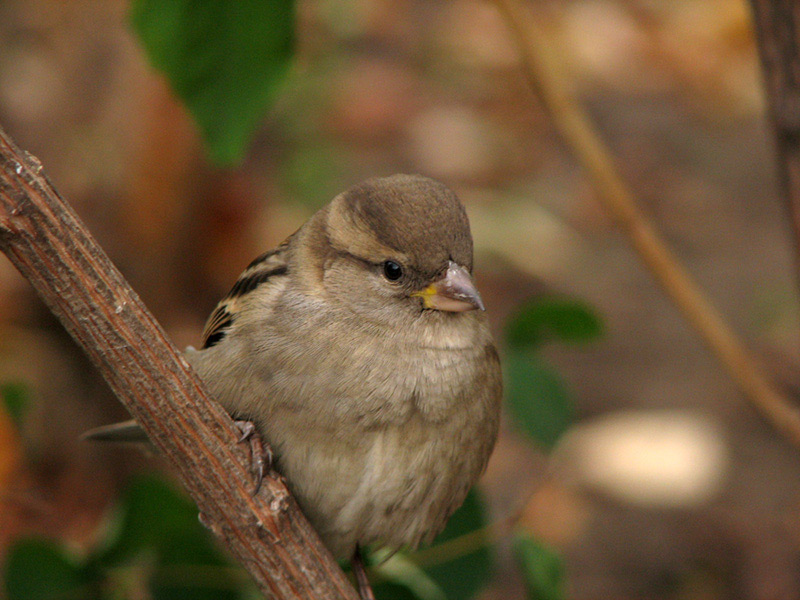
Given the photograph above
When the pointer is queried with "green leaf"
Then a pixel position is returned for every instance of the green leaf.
(42, 570)
(403, 579)
(158, 526)
(536, 398)
(388, 590)
(311, 171)
(223, 59)
(541, 567)
(155, 543)
(196, 582)
(552, 318)
(464, 576)
(455, 567)
(157, 519)
(16, 398)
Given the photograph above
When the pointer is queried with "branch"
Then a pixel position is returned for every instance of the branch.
(777, 25)
(540, 66)
(266, 533)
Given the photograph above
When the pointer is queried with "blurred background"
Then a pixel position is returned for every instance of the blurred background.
(667, 484)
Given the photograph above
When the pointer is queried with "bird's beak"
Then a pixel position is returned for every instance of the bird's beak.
(454, 292)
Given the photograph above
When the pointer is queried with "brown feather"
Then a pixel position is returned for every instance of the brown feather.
(261, 271)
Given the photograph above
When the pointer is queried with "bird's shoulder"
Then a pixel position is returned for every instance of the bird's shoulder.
(262, 274)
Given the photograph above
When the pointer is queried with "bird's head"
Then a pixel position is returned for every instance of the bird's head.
(399, 243)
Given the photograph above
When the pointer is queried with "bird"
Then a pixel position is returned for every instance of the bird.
(360, 350)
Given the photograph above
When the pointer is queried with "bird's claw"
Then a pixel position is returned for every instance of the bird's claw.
(360, 571)
(260, 455)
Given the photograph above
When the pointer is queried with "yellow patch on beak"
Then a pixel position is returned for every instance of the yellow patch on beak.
(427, 294)
(455, 292)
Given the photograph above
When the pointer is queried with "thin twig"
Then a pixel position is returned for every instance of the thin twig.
(50, 246)
(540, 66)
(777, 23)
(466, 543)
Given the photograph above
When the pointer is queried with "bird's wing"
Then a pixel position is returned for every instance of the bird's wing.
(263, 271)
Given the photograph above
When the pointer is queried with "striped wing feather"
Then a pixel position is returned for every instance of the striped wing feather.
(264, 269)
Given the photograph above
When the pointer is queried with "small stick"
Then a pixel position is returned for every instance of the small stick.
(540, 67)
(360, 571)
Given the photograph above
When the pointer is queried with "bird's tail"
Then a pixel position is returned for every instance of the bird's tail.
(126, 431)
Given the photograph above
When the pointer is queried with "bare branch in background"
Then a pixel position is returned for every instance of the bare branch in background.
(777, 25)
(541, 67)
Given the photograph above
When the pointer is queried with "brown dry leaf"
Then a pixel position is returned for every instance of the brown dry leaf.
(10, 451)
(556, 515)
(10, 467)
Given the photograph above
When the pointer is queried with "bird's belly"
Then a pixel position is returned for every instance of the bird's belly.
(375, 451)
(395, 486)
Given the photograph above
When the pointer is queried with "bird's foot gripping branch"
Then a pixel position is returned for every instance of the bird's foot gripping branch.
(51, 247)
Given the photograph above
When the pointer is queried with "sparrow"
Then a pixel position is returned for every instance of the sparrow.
(360, 350)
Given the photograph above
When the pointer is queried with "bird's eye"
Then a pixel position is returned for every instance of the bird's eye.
(392, 271)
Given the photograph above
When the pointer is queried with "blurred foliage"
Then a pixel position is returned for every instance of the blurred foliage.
(436, 87)
(539, 404)
(536, 398)
(153, 541)
(552, 318)
(311, 171)
(16, 400)
(223, 59)
(536, 395)
(541, 567)
(467, 573)
(38, 569)
(458, 574)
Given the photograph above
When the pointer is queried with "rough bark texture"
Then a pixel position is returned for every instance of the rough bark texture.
(777, 25)
(49, 245)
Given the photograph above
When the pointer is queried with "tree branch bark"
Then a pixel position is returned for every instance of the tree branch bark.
(777, 25)
(267, 533)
